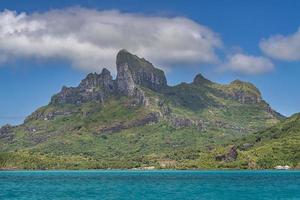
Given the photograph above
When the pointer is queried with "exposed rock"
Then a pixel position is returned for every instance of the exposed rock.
(272, 112)
(246, 98)
(226, 125)
(140, 97)
(6, 132)
(31, 129)
(95, 81)
(219, 124)
(228, 157)
(114, 128)
(244, 92)
(232, 154)
(95, 87)
(181, 122)
(148, 119)
(36, 135)
(139, 71)
(124, 79)
(133, 73)
(178, 122)
(67, 95)
(201, 80)
(41, 115)
(165, 109)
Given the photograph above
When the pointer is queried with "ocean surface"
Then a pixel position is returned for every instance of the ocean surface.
(144, 185)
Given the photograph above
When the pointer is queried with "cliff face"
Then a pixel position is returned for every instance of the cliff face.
(244, 92)
(102, 81)
(132, 72)
(95, 87)
(125, 80)
(139, 71)
(6, 132)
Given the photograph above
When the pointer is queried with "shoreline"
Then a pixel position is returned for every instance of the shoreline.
(148, 170)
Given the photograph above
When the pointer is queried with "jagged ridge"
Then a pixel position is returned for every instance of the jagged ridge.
(138, 115)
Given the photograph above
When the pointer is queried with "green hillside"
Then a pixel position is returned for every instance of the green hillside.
(278, 145)
(137, 120)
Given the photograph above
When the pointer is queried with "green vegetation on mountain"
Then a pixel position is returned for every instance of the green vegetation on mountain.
(137, 120)
(278, 145)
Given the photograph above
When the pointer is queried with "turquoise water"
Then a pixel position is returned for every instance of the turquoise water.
(143, 185)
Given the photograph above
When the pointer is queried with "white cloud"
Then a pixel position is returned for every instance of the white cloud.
(247, 64)
(282, 47)
(90, 39)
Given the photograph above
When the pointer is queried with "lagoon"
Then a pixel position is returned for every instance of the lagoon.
(165, 185)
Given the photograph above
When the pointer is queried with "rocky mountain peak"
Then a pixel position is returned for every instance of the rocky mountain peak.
(105, 72)
(139, 71)
(200, 80)
(94, 80)
(95, 87)
(134, 74)
(91, 80)
(245, 92)
(238, 84)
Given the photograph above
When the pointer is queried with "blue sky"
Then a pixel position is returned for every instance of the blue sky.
(239, 42)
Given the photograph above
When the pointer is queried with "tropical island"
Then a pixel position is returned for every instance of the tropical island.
(138, 121)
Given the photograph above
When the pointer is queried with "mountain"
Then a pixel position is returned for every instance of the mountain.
(136, 120)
